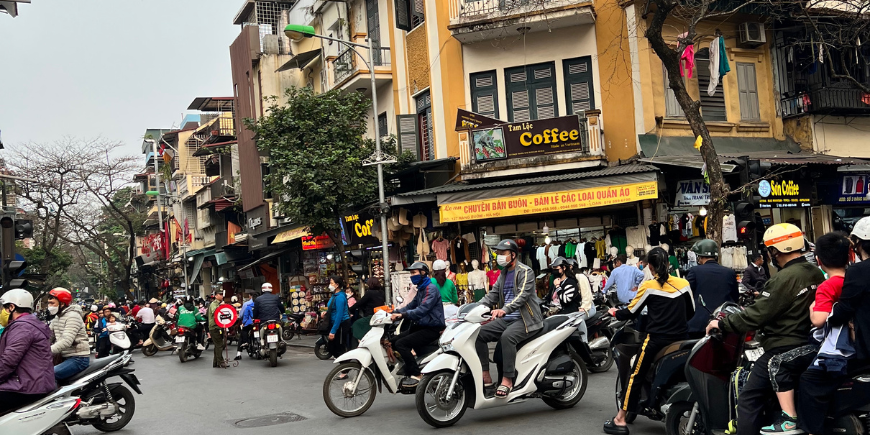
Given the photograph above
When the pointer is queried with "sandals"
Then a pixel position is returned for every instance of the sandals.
(503, 391)
(613, 429)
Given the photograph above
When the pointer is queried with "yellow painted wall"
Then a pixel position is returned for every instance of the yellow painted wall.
(452, 78)
(416, 42)
(800, 130)
(614, 65)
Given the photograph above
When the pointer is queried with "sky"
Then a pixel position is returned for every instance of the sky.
(110, 68)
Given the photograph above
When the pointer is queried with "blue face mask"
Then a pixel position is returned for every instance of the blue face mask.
(640, 266)
(416, 279)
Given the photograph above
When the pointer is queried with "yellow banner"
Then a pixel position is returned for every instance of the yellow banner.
(293, 234)
(548, 202)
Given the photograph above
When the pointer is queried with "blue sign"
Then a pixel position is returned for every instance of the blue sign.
(764, 188)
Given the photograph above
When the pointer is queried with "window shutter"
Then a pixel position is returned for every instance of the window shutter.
(418, 9)
(403, 14)
(578, 85)
(531, 92)
(672, 106)
(484, 93)
(712, 108)
(409, 139)
(748, 92)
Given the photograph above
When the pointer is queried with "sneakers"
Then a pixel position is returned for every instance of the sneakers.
(199, 347)
(784, 425)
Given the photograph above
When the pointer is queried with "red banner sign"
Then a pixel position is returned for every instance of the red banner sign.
(320, 242)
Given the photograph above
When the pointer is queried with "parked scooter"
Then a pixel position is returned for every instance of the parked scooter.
(292, 325)
(600, 329)
(349, 389)
(551, 365)
(160, 338)
(86, 399)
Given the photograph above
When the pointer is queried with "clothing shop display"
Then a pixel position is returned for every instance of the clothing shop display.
(459, 251)
(692, 260)
(541, 256)
(600, 248)
(589, 253)
(571, 249)
(492, 275)
(699, 226)
(654, 234)
(552, 253)
(477, 278)
(619, 240)
(729, 228)
(440, 246)
(733, 257)
(636, 236)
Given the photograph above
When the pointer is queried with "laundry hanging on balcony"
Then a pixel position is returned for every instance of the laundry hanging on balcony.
(687, 59)
(719, 66)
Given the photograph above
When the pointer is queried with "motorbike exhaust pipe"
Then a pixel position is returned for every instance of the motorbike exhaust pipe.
(600, 343)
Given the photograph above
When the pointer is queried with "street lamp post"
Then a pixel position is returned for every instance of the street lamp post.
(296, 32)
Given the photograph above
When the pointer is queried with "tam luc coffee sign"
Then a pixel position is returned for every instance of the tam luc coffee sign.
(529, 138)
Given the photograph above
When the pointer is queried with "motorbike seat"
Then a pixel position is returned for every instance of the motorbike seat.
(675, 347)
(550, 323)
(296, 316)
(95, 366)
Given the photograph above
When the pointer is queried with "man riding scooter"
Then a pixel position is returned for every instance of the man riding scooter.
(189, 317)
(518, 318)
(781, 317)
(268, 307)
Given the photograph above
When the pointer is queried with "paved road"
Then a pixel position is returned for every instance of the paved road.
(194, 399)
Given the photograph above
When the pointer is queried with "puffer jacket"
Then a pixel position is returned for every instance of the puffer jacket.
(25, 357)
(526, 300)
(426, 308)
(70, 336)
(268, 307)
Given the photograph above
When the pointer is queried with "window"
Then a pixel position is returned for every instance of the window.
(578, 84)
(374, 28)
(382, 124)
(424, 121)
(748, 91)
(531, 92)
(484, 93)
(672, 106)
(409, 137)
(712, 107)
(409, 14)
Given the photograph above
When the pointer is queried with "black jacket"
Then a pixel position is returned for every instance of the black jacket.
(268, 307)
(754, 278)
(718, 284)
(569, 295)
(670, 307)
(367, 304)
(854, 305)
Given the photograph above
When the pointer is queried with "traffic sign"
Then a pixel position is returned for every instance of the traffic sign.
(225, 316)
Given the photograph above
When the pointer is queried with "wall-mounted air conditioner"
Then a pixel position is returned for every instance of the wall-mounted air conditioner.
(751, 35)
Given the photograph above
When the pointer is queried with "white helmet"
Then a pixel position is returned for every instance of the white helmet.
(439, 265)
(266, 287)
(862, 229)
(234, 299)
(784, 237)
(94, 308)
(19, 297)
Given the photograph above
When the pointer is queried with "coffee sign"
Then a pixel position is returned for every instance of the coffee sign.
(360, 228)
(784, 193)
(323, 241)
(529, 138)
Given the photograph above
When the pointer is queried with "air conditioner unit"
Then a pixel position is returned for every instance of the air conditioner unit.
(752, 35)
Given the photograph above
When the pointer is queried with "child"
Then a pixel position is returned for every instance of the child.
(824, 375)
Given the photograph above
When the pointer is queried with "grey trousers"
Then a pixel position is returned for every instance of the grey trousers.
(508, 333)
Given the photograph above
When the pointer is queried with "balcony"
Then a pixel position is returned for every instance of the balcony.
(478, 20)
(591, 154)
(349, 72)
(832, 100)
(188, 184)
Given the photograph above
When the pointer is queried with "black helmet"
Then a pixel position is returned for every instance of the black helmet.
(559, 261)
(507, 245)
(706, 248)
(419, 265)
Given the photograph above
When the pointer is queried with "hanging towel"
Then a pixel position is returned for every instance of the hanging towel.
(724, 68)
(687, 62)
(821, 53)
(714, 67)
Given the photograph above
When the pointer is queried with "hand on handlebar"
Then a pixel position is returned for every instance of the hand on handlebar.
(712, 327)
(612, 312)
(497, 313)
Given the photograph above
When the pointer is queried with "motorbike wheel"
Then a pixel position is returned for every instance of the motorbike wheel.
(678, 419)
(431, 402)
(149, 350)
(631, 416)
(321, 351)
(182, 352)
(288, 334)
(605, 365)
(273, 357)
(571, 397)
(126, 406)
(342, 402)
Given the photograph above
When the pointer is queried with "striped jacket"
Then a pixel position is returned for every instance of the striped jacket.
(670, 306)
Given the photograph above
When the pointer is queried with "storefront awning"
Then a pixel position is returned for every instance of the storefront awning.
(264, 259)
(300, 61)
(689, 162)
(295, 233)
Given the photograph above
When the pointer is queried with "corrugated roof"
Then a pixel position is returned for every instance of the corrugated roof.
(785, 158)
(465, 187)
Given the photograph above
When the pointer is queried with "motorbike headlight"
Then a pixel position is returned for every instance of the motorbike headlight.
(447, 346)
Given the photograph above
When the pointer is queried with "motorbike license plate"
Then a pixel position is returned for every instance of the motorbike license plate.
(179, 339)
(256, 335)
(753, 354)
(272, 339)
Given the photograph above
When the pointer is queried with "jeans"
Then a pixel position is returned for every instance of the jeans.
(508, 334)
(244, 336)
(71, 367)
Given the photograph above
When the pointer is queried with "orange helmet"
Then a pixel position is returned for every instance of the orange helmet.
(61, 294)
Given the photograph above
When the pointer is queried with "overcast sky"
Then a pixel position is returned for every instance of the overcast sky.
(110, 68)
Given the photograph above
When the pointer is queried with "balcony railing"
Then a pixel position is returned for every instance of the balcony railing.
(826, 100)
(464, 9)
(348, 62)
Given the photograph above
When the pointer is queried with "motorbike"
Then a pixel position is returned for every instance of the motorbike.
(160, 338)
(119, 341)
(600, 328)
(187, 342)
(666, 376)
(86, 399)
(551, 365)
(292, 325)
(253, 346)
(271, 344)
(370, 366)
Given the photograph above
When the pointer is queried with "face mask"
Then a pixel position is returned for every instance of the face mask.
(52, 310)
(350, 295)
(502, 260)
(4, 317)
(416, 279)
(331, 288)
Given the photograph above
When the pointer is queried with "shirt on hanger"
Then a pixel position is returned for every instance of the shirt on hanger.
(440, 248)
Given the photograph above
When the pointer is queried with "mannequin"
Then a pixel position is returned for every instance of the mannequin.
(632, 260)
(614, 251)
(492, 275)
(477, 278)
(675, 265)
(450, 275)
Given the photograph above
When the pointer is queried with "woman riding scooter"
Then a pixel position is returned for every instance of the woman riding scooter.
(671, 305)
(567, 296)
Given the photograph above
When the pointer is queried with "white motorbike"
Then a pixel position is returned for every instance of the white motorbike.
(118, 337)
(349, 389)
(551, 365)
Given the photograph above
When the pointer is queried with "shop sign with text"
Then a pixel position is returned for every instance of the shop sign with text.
(692, 193)
(784, 193)
(310, 243)
(548, 202)
(359, 229)
(853, 190)
(529, 138)
(466, 120)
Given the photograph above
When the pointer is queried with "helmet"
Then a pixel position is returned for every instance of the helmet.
(559, 261)
(61, 294)
(234, 299)
(111, 305)
(862, 229)
(784, 237)
(706, 248)
(266, 287)
(507, 245)
(571, 262)
(419, 265)
(439, 265)
(19, 297)
(94, 308)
